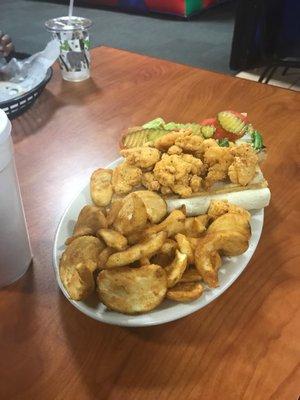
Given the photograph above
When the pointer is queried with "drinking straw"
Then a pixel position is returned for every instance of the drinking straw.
(71, 8)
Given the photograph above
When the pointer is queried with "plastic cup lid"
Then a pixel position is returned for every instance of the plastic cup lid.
(5, 127)
(68, 24)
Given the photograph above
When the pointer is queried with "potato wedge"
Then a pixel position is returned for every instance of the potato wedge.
(103, 257)
(100, 187)
(185, 247)
(114, 211)
(210, 274)
(232, 243)
(207, 260)
(195, 226)
(132, 216)
(185, 292)
(135, 237)
(90, 219)
(146, 248)
(174, 223)
(193, 242)
(85, 250)
(216, 260)
(231, 222)
(156, 206)
(113, 239)
(191, 275)
(78, 280)
(132, 290)
(176, 269)
(77, 264)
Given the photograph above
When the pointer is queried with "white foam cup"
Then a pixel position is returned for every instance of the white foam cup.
(15, 252)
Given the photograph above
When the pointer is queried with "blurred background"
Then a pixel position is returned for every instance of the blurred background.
(250, 38)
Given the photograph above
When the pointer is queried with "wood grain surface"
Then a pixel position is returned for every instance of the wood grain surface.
(244, 345)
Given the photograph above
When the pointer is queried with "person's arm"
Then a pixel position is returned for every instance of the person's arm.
(6, 46)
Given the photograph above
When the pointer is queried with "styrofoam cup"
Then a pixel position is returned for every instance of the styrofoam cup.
(15, 252)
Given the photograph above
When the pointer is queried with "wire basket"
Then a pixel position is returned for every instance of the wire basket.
(18, 105)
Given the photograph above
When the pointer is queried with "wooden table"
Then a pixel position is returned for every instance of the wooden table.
(244, 345)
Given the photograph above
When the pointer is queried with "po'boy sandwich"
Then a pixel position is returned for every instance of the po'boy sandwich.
(192, 164)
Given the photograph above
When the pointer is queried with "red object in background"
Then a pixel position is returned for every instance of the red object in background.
(209, 3)
(167, 6)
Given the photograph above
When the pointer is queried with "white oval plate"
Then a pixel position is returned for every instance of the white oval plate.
(168, 311)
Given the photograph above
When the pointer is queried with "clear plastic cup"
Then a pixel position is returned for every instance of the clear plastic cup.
(73, 36)
(15, 252)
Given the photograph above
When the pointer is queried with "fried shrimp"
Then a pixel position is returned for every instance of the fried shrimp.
(125, 177)
(142, 157)
(243, 168)
(176, 171)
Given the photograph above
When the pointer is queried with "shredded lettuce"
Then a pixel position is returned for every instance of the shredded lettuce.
(171, 126)
(157, 123)
(257, 141)
(223, 142)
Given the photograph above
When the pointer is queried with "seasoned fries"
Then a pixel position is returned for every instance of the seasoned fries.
(207, 259)
(176, 269)
(132, 215)
(101, 187)
(185, 247)
(156, 207)
(132, 290)
(185, 292)
(103, 257)
(195, 226)
(113, 212)
(191, 275)
(174, 223)
(231, 222)
(77, 265)
(147, 248)
(90, 220)
(113, 239)
(143, 255)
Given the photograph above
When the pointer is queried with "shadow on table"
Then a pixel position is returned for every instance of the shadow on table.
(36, 117)
(25, 284)
(112, 358)
(76, 92)
(20, 321)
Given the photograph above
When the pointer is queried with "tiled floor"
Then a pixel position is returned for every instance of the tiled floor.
(291, 80)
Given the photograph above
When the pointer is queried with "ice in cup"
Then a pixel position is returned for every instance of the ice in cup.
(73, 36)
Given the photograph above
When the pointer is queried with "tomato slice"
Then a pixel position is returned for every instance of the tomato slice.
(209, 121)
(221, 134)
